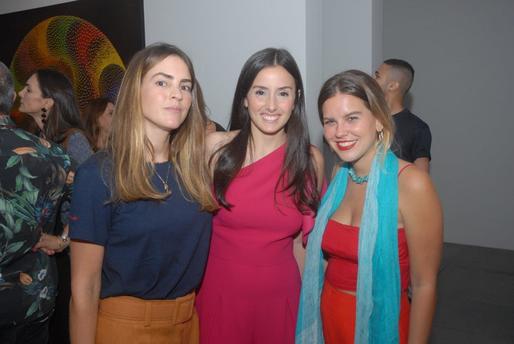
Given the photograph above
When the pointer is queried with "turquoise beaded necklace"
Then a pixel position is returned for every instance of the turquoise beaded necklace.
(355, 178)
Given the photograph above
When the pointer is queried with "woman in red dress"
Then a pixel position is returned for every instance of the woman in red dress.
(267, 181)
(379, 226)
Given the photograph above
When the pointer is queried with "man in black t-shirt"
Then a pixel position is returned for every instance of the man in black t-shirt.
(412, 139)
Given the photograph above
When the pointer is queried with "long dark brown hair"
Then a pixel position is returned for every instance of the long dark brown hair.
(64, 114)
(298, 176)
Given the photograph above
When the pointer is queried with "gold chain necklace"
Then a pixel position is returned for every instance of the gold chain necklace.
(164, 182)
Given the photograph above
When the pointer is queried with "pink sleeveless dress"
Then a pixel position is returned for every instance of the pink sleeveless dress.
(251, 286)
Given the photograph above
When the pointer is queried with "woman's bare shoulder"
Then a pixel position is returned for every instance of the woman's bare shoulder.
(412, 178)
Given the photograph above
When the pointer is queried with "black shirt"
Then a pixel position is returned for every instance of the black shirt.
(412, 138)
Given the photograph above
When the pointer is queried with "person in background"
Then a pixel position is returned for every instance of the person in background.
(34, 178)
(97, 117)
(412, 138)
(48, 97)
(141, 211)
(267, 179)
(379, 226)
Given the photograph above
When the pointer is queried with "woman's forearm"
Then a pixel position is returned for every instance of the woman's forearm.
(83, 317)
(86, 282)
(421, 313)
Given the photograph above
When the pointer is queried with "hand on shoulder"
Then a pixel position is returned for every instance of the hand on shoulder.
(216, 140)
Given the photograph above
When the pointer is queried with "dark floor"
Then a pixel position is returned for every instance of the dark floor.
(475, 296)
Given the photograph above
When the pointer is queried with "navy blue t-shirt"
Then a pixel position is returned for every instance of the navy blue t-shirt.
(153, 250)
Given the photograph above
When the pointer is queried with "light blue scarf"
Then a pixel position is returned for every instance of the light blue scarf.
(378, 281)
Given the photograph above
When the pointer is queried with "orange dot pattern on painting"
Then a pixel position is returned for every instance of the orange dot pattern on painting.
(76, 48)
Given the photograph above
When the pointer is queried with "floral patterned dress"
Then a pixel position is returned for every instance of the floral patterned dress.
(34, 176)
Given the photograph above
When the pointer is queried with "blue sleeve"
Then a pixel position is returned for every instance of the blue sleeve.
(78, 147)
(422, 143)
(90, 214)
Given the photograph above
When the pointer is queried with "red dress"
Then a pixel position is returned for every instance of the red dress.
(251, 287)
(340, 244)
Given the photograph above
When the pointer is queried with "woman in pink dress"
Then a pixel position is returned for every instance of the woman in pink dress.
(267, 180)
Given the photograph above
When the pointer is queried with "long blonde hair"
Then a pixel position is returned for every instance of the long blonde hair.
(130, 147)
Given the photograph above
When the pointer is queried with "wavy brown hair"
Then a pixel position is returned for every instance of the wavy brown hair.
(359, 84)
(92, 111)
(131, 150)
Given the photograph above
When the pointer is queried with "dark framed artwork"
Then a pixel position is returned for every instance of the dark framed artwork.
(90, 41)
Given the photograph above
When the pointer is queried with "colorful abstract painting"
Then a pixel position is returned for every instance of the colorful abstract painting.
(90, 41)
(76, 48)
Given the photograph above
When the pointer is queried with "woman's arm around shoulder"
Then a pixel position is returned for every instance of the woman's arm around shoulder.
(215, 140)
(319, 166)
(422, 217)
(86, 268)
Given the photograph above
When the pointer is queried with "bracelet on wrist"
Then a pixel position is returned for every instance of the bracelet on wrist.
(65, 240)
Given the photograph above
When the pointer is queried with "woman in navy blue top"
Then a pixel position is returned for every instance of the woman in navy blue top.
(140, 220)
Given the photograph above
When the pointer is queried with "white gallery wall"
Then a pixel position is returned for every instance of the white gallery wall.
(351, 38)
(221, 35)
(464, 85)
